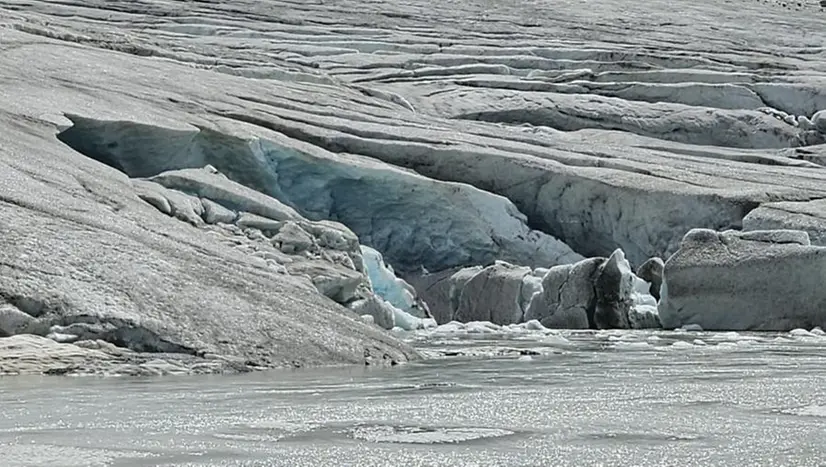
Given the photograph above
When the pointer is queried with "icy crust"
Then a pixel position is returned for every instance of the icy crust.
(414, 221)
(530, 340)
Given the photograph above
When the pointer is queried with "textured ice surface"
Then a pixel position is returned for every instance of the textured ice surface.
(603, 136)
(643, 313)
(414, 221)
(479, 339)
(383, 279)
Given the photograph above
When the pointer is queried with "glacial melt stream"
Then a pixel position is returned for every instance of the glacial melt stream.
(501, 397)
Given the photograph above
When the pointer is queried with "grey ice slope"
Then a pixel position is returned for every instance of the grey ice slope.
(599, 125)
(416, 222)
(642, 137)
(755, 281)
(82, 252)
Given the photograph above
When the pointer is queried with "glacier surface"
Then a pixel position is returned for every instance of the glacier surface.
(414, 221)
(424, 137)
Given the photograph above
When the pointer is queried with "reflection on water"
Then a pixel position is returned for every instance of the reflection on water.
(509, 398)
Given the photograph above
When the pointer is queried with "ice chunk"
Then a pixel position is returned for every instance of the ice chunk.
(682, 345)
(531, 286)
(382, 312)
(534, 325)
(769, 280)
(643, 313)
(385, 284)
(482, 327)
(407, 321)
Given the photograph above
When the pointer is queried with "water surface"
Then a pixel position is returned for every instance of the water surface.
(500, 398)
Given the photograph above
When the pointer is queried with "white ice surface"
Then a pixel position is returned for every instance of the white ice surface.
(385, 284)
(487, 340)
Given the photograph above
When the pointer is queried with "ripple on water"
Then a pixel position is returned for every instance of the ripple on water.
(644, 438)
(805, 411)
(424, 435)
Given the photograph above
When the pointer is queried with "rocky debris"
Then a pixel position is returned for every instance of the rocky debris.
(214, 213)
(599, 293)
(381, 311)
(819, 121)
(613, 286)
(644, 311)
(745, 281)
(457, 283)
(651, 271)
(292, 239)
(387, 316)
(209, 183)
(435, 289)
(29, 354)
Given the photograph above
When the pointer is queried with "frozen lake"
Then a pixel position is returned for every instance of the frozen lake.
(510, 399)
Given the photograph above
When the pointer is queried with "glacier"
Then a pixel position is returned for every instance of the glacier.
(232, 189)
(414, 221)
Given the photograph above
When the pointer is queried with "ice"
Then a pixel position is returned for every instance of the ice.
(486, 327)
(757, 280)
(385, 284)
(533, 325)
(409, 322)
(387, 316)
(807, 411)
(412, 220)
(482, 327)
(556, 340)
(633, 345)
(531, 286)
(801, 333)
